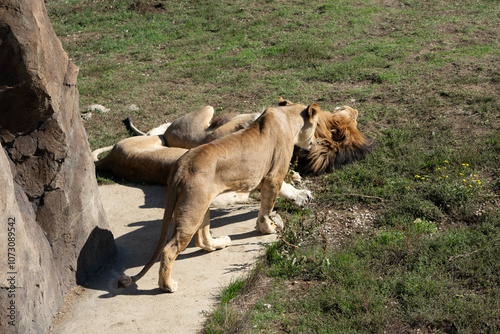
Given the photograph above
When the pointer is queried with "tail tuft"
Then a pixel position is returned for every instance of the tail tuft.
(127, 121)
(124, 281)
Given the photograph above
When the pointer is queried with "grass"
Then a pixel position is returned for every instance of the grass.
(406, 277)
(405, 240)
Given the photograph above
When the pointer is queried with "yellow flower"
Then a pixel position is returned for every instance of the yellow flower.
(446, 161)
(464, 180)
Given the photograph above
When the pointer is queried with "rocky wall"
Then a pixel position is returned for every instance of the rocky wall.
(50, 207)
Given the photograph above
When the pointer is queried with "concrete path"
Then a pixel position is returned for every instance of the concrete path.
(134, 213)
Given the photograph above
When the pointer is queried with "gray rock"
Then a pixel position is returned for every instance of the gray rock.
(47, 174)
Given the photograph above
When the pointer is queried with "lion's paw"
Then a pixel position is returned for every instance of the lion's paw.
(303, 197)
(296, 178)
(221, 242)
(172, 287)
(265, 225)
(276, 219)
(266, 229)
(268, 224)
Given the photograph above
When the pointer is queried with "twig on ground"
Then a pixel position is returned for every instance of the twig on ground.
(289, 244)
(365, 196)
(462, 255)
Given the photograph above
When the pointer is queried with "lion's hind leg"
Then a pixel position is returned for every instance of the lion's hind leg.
(204, 239)
(188, 217)
(177, 244)
(168, 256)
(183, 233)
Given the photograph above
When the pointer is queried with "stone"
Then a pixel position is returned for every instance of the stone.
(97, 108)
(47, 176)
(28, 263)
(133, 107)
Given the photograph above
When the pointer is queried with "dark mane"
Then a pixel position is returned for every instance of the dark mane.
(338, 143)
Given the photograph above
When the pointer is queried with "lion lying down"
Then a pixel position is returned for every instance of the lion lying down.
(256, 157)
(339, 141)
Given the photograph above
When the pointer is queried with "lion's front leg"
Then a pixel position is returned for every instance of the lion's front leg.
(267, 220)
(204, 239)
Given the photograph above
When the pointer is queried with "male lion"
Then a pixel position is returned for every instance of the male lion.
(339, 141)
(256, 157)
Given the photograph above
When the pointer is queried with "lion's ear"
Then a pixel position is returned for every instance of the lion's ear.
(355, 114)
(352, 112)
(313, 110)
(282, 102)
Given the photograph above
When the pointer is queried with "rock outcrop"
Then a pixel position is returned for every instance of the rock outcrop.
(53, 229)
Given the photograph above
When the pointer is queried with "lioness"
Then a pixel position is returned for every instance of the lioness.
(200, 127)
(254, 158)
(145, 158)
(142, 157)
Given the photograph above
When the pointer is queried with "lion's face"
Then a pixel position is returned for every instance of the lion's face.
(338, 142)
(306, 137)
(310, 116)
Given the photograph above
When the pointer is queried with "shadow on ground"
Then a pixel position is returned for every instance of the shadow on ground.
(136, 246)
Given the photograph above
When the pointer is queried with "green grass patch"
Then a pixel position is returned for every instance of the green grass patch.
(405, 277)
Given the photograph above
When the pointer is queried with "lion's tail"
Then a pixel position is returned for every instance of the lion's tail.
(125, 280)
(95, 154)
(131, 127)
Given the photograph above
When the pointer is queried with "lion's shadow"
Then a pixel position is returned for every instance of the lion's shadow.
(135, 248)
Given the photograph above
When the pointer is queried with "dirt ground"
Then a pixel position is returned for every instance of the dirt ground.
(134, 213)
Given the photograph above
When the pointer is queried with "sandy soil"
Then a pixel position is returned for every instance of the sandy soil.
(134, 213)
